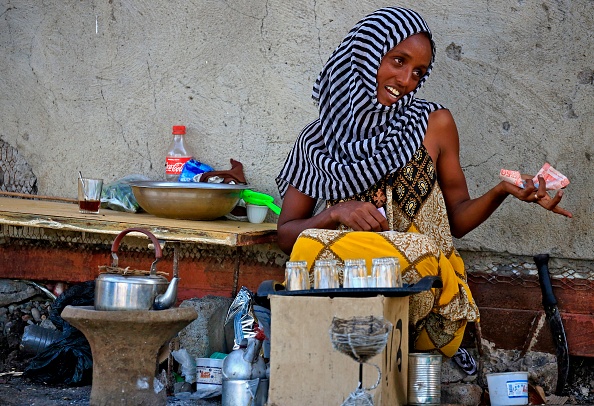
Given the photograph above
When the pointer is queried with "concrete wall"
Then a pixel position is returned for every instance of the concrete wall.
(96, 86)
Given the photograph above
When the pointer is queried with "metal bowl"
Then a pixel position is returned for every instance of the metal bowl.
(189, 201)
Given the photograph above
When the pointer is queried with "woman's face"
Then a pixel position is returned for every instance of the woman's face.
(402, 68)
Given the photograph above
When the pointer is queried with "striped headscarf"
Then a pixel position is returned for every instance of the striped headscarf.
(356, 141)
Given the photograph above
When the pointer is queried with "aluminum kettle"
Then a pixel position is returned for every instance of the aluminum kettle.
(244, 376)
(126, 292)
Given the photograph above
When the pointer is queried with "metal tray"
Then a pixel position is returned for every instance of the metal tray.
(424, 284)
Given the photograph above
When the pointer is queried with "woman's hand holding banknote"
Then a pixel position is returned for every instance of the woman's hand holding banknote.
(534, 188)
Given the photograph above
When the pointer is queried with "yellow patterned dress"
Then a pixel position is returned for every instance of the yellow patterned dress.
(422, 242)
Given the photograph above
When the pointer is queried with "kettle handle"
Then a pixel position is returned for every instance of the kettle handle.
(116, 245)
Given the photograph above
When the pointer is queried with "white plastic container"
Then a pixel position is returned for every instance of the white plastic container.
(256, 213)
(508, 388)
(209, 377)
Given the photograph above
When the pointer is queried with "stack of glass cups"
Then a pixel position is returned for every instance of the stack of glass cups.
(296, 275)
(386, 272)
(326, 274)
(355, 273)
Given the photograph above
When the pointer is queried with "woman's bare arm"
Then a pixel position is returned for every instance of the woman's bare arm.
(464, 213)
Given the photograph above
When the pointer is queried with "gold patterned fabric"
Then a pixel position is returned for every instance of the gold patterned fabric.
(420, 239)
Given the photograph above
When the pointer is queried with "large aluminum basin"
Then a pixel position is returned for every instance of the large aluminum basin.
(190, 201)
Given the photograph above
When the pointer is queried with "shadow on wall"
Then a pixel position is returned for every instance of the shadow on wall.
(15, 173)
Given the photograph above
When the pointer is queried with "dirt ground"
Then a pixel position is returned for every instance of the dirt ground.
(16, 390)
(19, 391)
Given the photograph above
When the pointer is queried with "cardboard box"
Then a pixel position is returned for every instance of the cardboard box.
(306, 370)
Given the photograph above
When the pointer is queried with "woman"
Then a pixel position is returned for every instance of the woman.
(376, 146)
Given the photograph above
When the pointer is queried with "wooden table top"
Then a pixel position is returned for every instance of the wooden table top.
(65, 216)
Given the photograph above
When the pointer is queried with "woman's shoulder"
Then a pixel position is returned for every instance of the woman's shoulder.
(441, 134)
(441, 118)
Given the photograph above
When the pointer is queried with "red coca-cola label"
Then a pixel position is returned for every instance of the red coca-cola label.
(174, 165)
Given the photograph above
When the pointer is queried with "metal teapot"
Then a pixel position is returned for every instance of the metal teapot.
(124, 292)
(244, 372)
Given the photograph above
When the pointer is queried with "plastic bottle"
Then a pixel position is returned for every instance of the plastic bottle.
(178, 154)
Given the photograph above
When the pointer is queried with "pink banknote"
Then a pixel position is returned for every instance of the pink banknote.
(553, 178)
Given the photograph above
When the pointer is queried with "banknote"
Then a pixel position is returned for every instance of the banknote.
(553, 178)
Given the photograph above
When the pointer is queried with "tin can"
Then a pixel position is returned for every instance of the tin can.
(424, 379)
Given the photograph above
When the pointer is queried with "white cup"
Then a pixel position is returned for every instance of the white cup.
(256, 213)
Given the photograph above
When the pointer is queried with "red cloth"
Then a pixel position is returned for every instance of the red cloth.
(234, 174)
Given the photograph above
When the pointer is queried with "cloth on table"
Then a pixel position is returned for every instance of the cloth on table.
(233, 175)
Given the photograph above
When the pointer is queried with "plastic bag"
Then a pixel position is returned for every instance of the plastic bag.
(67, 360)
(193, 170)
(118, 195)
(188, 364)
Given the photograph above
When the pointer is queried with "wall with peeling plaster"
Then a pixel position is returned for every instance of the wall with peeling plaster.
(96, 86)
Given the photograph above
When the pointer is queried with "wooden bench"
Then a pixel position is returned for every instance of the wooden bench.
(52, 241)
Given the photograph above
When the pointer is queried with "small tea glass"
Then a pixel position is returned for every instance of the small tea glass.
(386, 272)
(296, 275)
(326, 274)
(89, 195)
(355, 273)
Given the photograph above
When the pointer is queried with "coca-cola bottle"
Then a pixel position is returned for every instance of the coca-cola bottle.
(178, 154)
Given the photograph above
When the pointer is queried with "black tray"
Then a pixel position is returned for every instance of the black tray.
(424, 284)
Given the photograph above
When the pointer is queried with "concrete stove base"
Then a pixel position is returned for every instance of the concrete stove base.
(125, 346)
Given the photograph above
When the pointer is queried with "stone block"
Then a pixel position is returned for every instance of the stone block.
(15, 292)
(207, 334)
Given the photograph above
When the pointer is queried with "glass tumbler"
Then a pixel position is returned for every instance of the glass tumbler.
(386, 272)
(355, 273)
(89, 195)
(296, 275)
(326, 274)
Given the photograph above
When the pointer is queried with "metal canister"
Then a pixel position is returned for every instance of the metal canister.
(36, 339)
(239, 392)
(424, 379)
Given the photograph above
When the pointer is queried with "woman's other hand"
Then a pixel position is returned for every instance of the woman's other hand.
(297, 214)
(360, 216)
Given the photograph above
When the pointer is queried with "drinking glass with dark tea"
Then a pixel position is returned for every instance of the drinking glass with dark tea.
(89, 195)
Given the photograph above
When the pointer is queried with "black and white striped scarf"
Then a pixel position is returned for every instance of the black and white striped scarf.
(356, 141)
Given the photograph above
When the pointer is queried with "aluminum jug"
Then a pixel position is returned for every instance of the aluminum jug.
(243, 370)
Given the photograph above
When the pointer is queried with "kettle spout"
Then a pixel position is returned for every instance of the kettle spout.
(167, 299)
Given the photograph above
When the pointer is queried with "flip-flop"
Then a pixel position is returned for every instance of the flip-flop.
(465, 361)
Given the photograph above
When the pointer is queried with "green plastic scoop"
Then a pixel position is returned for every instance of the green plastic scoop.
(260, 199)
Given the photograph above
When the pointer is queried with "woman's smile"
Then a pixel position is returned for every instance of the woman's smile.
(393, 92)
